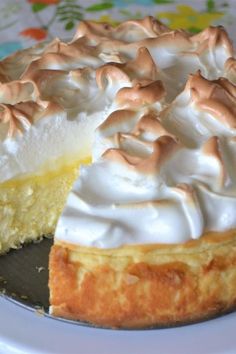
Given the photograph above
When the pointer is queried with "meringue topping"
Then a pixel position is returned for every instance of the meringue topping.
(163, 104)
(150, 188)
(143, 93)
(216, 97)
(128, 31)
(162, 172)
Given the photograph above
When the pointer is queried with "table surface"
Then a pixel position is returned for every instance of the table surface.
(26, 22)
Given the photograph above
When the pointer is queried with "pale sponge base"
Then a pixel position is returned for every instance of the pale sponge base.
(31, 206)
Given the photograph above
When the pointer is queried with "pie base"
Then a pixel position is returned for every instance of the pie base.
(146, 285)
(30, 206)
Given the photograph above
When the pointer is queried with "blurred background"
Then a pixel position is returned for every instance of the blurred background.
(26, 22)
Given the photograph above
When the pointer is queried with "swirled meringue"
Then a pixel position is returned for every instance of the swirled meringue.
(205, 108)
(162, 103)
(54, 97)
(160, 178)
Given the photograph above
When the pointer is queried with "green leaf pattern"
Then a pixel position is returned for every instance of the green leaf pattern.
(100, 7)
(38, 7)
(69, 12)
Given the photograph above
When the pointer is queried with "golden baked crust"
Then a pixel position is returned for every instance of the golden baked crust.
(146, 285)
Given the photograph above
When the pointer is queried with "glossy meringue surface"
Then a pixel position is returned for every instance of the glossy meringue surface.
(163, 159)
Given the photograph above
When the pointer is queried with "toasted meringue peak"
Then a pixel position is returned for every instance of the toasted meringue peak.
(14, 92)
(21, 116)
(178, 54)
(216, 97)
(186, 189)
(120, 118)
(64, 61)
(129, 128)
(230, 66)
(14, 118)
(109, 73)
(211, 148)
(143, 66)
(12, 67)
(212, 37)
(66, 88)
(230, 70)
(149, 124)
(140, 68)
(161, 149)
(141, 94)
(128, 31)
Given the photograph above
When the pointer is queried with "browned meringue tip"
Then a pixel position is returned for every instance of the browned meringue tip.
(59, 55)
(15, 119)
(179, 40)
(230, 64)
(212, 148)
(187, 191)
(150, 123)
(17, 91)
(198, 86)
(40, 75)
(185, 188)
(176, 41)
(149, 26)
(162, 148)
(120, 116)
(212, 37)
(24, 114)
(141, 68)
(55, 46)
(146, 123)
(110, 72)
(141, 95)
(230, 69)
(3, 77)
(14, 65)
(92, 29)
(44, 63)
(217, 97)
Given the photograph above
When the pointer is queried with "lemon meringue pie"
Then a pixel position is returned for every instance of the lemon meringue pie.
(145, 232)
(147, 236)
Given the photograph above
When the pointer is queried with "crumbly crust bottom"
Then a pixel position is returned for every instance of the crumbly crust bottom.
(145, 285)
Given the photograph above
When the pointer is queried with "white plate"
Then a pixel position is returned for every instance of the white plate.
(24, 332)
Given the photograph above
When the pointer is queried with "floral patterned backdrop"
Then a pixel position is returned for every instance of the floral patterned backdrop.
(26, 22)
